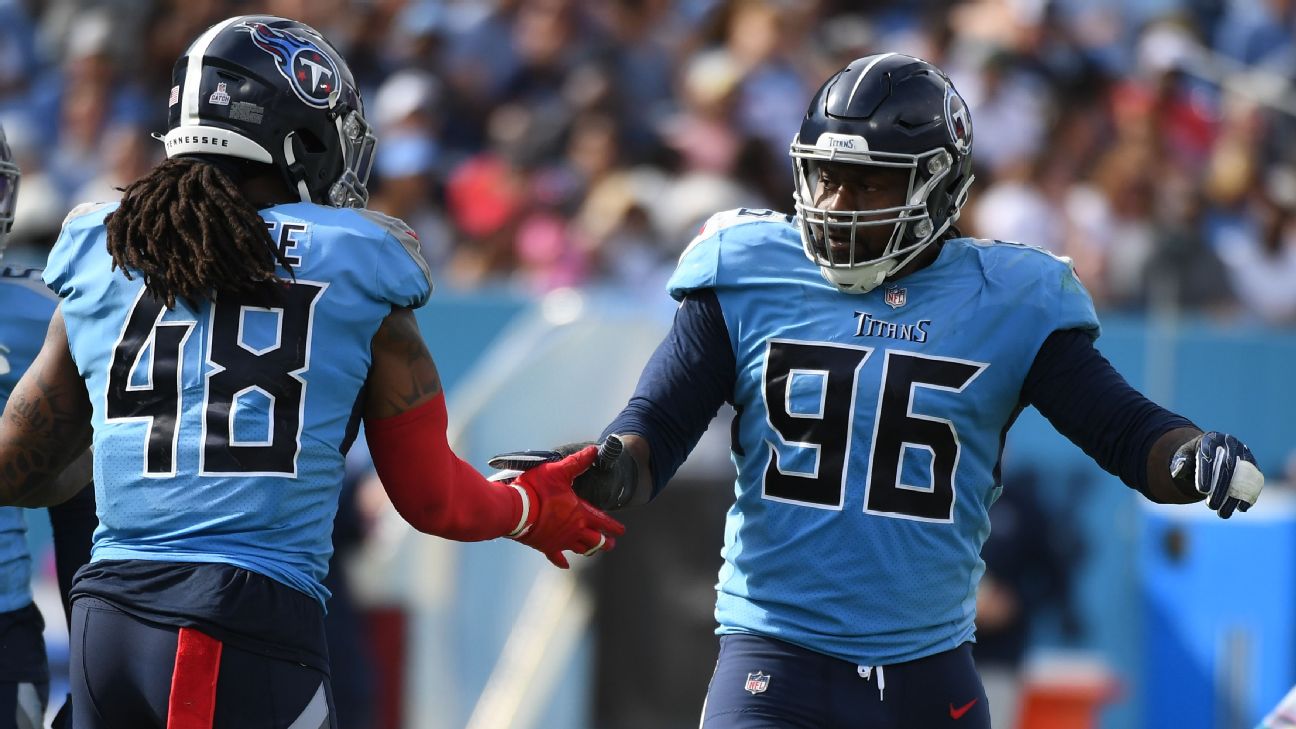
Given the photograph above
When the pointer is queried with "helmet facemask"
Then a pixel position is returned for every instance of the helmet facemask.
(352, 154)
(913, 226)
(358, 140)
(8, 192)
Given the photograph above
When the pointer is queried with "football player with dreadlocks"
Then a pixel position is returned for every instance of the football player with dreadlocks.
(876, 358)
(222, 333)
(24, 671)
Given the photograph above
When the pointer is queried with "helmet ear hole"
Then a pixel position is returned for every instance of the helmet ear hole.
(311, 143)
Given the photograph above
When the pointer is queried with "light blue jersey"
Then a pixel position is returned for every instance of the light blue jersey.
(869, 432)
(27, 307)
(219, 428)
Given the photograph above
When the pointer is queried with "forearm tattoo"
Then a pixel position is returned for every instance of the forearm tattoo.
(415, 379)
(45, 426)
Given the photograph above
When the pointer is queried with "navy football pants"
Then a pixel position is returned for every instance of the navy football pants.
(762, 683)
(130, 674)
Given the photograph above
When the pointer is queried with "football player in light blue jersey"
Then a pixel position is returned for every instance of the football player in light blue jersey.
(221, 335)
(876, 358)
(24, 671)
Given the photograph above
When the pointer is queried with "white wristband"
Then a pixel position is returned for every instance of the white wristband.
(522, 527)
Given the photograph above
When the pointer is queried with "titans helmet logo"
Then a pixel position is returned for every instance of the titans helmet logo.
(958, 121)
(310, 72)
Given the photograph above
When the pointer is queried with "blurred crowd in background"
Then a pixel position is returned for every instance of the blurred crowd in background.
(548, 143)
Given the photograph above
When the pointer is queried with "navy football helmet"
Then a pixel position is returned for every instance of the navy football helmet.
(8, 190)
(886, 110)
(273, 90)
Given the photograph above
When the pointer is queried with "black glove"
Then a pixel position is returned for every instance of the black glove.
(1221, 467)
(609, 484)
(63, 719)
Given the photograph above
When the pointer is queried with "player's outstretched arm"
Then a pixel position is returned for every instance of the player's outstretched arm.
(46, 426)
(1213, 466)
(1159, 453)
(434, 490)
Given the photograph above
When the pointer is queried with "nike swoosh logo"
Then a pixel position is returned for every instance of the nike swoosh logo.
(960, 711)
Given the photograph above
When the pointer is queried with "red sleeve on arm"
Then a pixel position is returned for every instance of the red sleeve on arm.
(431, 488)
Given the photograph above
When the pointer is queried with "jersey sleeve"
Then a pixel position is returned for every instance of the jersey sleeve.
(1073, 307)
(70, 246)
(699, 264)
(404, 277)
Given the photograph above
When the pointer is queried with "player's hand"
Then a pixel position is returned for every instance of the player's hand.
(1221, 467)
(63, 719)
(609, 484)
(510, 465)
(558, 519)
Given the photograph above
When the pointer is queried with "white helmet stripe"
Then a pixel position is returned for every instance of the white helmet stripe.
(869, 67)
(193, 72)
(203, 139)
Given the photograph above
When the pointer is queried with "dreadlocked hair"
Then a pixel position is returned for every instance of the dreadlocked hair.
(189, 231)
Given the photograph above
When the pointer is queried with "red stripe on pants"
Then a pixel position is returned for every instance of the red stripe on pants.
(193, 684)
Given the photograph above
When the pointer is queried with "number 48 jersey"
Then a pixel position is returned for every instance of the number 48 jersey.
(869, 432)
(220, 427)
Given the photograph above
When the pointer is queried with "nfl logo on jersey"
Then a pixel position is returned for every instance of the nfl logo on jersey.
(895, 297)
(757, 683)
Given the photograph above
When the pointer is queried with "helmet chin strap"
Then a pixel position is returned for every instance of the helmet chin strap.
(302, 190)
(858, 280)
(865, 278)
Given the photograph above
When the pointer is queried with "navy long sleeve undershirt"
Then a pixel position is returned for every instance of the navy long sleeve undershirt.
(693, 372)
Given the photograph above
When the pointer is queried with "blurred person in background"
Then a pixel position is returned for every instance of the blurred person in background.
(626, 245)
(706, 137)
(129, 155)
(1003, 96)
(345, 627)
(1260, 258)
(19, 63)
(759, 36)
(1019, 206)
(486, 196)
(97, 94)
(1259, 32)
(641, 64)
(876, 357)
(41, 207)
(409, 164)
(248, 249)
(1029, 559)
(24, 671)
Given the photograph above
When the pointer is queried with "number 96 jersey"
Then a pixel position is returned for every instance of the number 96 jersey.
(220, 427)
(869, 432)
